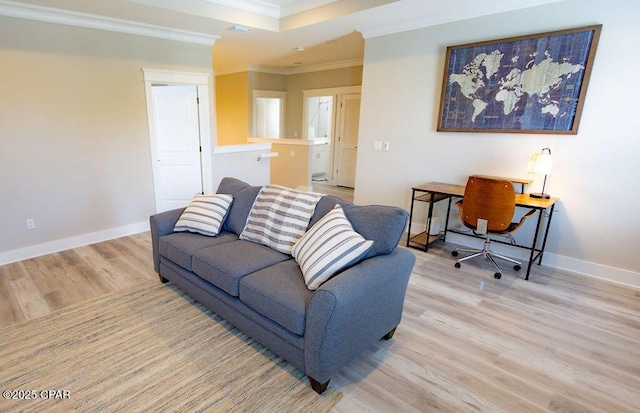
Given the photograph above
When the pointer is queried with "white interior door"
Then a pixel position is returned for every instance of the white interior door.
(177, 142)
(346, 148)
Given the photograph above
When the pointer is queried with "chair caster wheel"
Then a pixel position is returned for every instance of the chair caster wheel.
(497, 276)
(454, 253)
(457, 265)
(517, 267)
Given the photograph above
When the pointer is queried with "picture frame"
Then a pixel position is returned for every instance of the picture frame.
(526, 84)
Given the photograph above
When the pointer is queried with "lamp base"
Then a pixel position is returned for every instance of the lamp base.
(539, 195)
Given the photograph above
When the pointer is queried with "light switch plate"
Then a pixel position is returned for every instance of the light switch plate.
(481, 228)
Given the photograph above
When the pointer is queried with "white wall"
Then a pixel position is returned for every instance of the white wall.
(242, 162)
(74, 136)
(596, 227)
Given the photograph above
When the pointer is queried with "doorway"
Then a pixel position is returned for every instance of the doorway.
(346, 144)
(331, 117)
(178, 116)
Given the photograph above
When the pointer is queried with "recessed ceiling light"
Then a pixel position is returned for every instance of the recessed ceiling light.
(332, 42)
(300, 48)
(239, 29)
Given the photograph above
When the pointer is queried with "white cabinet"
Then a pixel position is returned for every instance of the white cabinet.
(319, 161)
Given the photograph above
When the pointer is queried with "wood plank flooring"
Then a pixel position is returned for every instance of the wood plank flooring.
(560, 342)
(341, 192)
(37, 286)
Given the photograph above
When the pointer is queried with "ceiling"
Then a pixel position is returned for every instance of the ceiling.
(281, 36)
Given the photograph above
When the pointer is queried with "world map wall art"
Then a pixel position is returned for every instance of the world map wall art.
(526, 84)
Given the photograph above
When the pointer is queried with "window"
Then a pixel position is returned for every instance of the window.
(268, 113)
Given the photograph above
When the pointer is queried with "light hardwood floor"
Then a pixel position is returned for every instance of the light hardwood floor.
(34, 287)
(341, 192)
(467, 342)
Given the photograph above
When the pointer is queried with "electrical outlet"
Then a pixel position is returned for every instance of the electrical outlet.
(292, 154)
(481, 228)
(31, 223)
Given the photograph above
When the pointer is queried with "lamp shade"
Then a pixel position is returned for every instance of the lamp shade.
(540, 163)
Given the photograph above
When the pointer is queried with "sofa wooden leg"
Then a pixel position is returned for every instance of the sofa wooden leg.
(162, 279)
(318, 387)
(389, 334)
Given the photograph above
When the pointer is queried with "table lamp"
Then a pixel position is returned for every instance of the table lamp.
(540, 164)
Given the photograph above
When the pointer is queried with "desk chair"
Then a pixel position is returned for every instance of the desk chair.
(494, 201)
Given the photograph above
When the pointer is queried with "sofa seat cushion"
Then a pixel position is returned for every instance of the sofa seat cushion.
(278, 293)
(179, 247)
(225, 264)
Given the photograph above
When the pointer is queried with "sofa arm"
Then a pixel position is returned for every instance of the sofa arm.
(162, 224)
(353, 310)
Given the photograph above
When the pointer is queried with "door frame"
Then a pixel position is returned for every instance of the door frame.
(201, 81)
(339, 179)
(337, 93)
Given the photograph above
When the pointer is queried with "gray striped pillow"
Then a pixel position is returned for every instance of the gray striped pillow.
(279, 217)
(328, 247)
(205, 214)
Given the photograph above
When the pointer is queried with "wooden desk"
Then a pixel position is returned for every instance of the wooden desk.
(433, 192)
(521, 182)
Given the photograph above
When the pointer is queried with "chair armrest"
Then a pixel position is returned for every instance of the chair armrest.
(162, 224)
(353, 310)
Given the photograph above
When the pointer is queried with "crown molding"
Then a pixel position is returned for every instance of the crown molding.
(449, 15)
(251, 6)
(324, 66)
(292, 70)
(91, 21)
(272, 10)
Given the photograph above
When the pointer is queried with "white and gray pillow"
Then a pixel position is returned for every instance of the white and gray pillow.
(279, 217)
(328, 247)
(205, 214)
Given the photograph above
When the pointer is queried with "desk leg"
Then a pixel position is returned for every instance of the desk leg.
(535, 242)
(413, 199)
(546, 232)
(429, 216)
(446, 222)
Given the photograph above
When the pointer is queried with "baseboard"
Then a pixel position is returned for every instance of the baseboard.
(586, 268)
(32, 251)
(592, 269)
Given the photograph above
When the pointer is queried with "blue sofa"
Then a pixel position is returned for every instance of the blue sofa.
(262, 291)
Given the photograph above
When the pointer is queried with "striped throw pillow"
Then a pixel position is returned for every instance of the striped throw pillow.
(328, 247)
(279, 217)
(205, 214)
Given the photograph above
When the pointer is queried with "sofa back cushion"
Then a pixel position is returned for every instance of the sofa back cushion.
(231, 186)
(243, 197)
(384, 225)
(242, 202)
